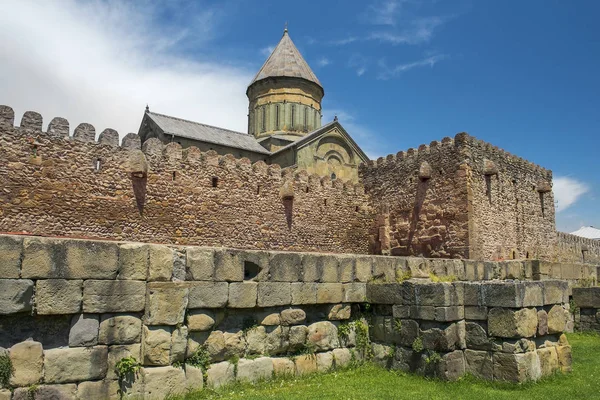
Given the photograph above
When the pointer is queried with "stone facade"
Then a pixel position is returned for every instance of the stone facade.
(433, 201)
(254, 314)
(461, 198)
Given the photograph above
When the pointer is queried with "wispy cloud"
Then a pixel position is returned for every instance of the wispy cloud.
(387, 72)
(383, 12)
(417, 31)
(567, 191)
(344, 41)
(266, 51)
(323, 62)
(62, 60)
(358, 63)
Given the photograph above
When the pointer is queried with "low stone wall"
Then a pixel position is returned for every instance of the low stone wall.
(586, 302)
(510, 331)
(195, 316)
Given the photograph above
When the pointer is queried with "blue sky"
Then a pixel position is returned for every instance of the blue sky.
(522, 75)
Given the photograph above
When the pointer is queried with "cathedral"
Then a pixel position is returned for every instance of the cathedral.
(284, 122)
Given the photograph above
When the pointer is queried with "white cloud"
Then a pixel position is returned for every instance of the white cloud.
(390, 72)
(358, 63)
(415, 32)
(383, 12)
(567, 191)
(102, 61)
(323, 62)
(266, 51)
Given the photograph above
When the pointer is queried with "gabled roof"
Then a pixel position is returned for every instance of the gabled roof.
(314, 135)
(588, 232)
(286, 61)
(206, 133)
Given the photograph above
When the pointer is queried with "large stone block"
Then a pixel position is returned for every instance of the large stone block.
(385, 293)
(10, 256)
(585, 297)
(91, 259)
(84, 330)
(476, 337)
(133, 261)
(533, 294)
(98, 390)
(557, 319)
(320, 268)
(15, 295)
(229, 265)
(179, 339)
(507, 323)
(220, 374)
(160, 263)
(452, 366)
(441, 339)
(347, 266)
(119, 329)
(43, 258)
(502, 294)
(208, 294)
(479, 364)
(58, 296)
(201, 320)
(306, 364)
(283, 367)
(51, 392)
(565, 358)
(451, 313)
(548, 360)
(384, 269)
(304, 293)
(166, 303)
(243, 294)
(117, 353)
(272, 294)
(328, 293)
(27, 361)
(200, 264)
(339, 312)
(436, 294)
(363, 268)
(477, 313)
(292, 316)
(156, 345)
(75, 364)
(355, 292)
(254, 370)
(285, 267)
(163, 382)
(324, 361)
(113, 296)
(419, 267)
(323, 335)
(517, 367)
(194, 378)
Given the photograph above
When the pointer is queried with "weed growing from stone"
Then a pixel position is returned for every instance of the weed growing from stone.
(126, 368)
(363, 342)
(31, 391)
(200, 359)
(398, 325)
(433, 358)
(417, 345)
(6, 370)
(404, 276)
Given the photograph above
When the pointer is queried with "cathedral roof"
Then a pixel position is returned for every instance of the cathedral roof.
(286, 61)
(206, 133)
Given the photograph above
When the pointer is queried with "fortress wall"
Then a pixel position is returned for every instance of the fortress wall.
(575, 249)
(71, 309)
(420, 198)
(61, 185)
(512, 214)
(502, 331)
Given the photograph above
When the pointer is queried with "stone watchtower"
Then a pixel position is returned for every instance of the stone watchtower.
(285, 97)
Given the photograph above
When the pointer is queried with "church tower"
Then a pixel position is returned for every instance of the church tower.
(285, 97)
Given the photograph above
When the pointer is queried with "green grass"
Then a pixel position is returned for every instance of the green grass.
(371, 382)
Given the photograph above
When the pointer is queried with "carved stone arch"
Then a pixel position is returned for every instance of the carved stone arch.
(335, 143)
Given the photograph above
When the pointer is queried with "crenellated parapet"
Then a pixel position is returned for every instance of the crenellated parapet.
(75, 182)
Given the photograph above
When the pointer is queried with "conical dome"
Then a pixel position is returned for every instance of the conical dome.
(286, 61)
